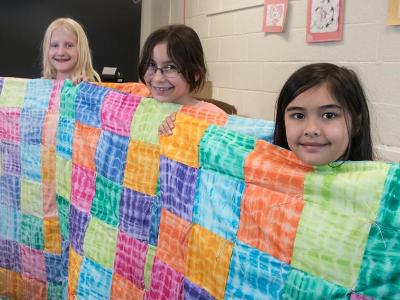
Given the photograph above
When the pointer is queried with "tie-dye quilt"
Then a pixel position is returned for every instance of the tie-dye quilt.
(94, 205)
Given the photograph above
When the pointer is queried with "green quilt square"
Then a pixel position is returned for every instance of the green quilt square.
(148, 117)
(13, 92)
(105, 205)
(63, 216)
(63, 177)
(32, 198)
(31, 233)
(67, 102)
(100, 242)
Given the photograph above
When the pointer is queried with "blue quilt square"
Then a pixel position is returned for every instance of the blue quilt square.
(217, 203)
(135, 214)
(260, 129)
(9, 221)
(11, 163)
(177, 186)
(65, 133)
(31, 126)
(10, 191)
(254, 274)
(89, 99)
(155, 221)
(10, 255)
(38, 93)
(31, 162)
(111, 156)
(94, 281)
(56, 270)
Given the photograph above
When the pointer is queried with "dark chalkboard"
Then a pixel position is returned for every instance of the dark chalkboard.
(112, 27)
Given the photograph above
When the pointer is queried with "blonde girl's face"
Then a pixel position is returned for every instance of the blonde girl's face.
(316, 127)
(168, 87)
(63, 53)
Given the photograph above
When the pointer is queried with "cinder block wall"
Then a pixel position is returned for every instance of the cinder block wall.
(248, 67)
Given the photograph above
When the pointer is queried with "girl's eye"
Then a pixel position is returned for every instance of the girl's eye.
(298, 116)
(329, 115)
(170, 67)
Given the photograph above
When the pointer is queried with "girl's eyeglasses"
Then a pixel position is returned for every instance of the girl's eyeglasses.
(169, 71)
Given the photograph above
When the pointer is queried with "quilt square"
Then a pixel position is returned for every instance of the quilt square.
(55, 96)
(260, 129)
(117, 112)
(94, 281)
(10, 284)
(52, 235)
(56, 268)
(155, 221)
(173, 240)
(74, 268)
(166, 283)
(63, 177)
(31, 198)
(303, 286)
(65, 132)
(9, 223)
(183, 145)
(63, 207)
(49, 200)
(269, 220)
(123, 289)
(11, 159)
(111, 156)
(130, 259)
(31, 162)
(31, 231)
(10, 191)
(135, 214)
(208, 261)
(13, 92)
(10, 125)
(142, 165)
(255, 275)
(33, 288)
(88, 101)
(84, 147)
(56, 290)
(67, 101)
(148, 116)
(31, 124)
(83, 187)
(78, 222)
(276, 168)
(148, 267)
(177, 186)
(105, 205)
(38, 93)
(225, 151)
(49, 131)
(10, 255)
(217, 203)
(100, 243)
(48, 165)
(33, 263)
(204, 114)
(193, 292)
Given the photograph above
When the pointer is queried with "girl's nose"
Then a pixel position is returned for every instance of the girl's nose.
(158, 75)
(312, 129)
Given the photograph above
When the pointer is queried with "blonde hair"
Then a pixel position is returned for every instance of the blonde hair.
(84, 65)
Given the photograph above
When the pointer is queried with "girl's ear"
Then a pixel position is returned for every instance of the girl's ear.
(357, 125)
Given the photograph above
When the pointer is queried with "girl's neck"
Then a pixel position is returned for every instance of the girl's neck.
(62, 76)
(188, 100)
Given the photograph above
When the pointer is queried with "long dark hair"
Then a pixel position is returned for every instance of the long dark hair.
(184, 49)
(346, 88)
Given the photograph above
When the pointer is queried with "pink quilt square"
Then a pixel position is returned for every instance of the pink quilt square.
(83, 187)
(33, 263)
(9, 125)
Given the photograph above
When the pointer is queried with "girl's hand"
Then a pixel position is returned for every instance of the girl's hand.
(167, 125)
(80, 78)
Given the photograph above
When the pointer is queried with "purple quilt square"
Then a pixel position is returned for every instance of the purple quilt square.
(33, 263)
(135, 214)
(130, 259)
(78, 222)
(166, 283)
(111, 156)
(10, 256)
(10, 191)
(194, 292)
(177, 186)
(11, 159)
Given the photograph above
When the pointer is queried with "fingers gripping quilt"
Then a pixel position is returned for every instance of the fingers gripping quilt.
(94, 205)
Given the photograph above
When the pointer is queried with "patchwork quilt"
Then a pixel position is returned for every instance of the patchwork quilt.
(94, 205)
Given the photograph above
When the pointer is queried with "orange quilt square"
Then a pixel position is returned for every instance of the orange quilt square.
(48, 164)
(205, 115)
(49, 132)
(269, 220)
(182, 146)
(52, 235)
(172, 240)
(141, 170)
(208, 261)
(74, 266)
(275, 168)
(33, 289)
(123, 289)
(84, 145)
(10, 284)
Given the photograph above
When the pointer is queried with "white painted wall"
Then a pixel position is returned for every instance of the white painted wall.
(248, 67)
